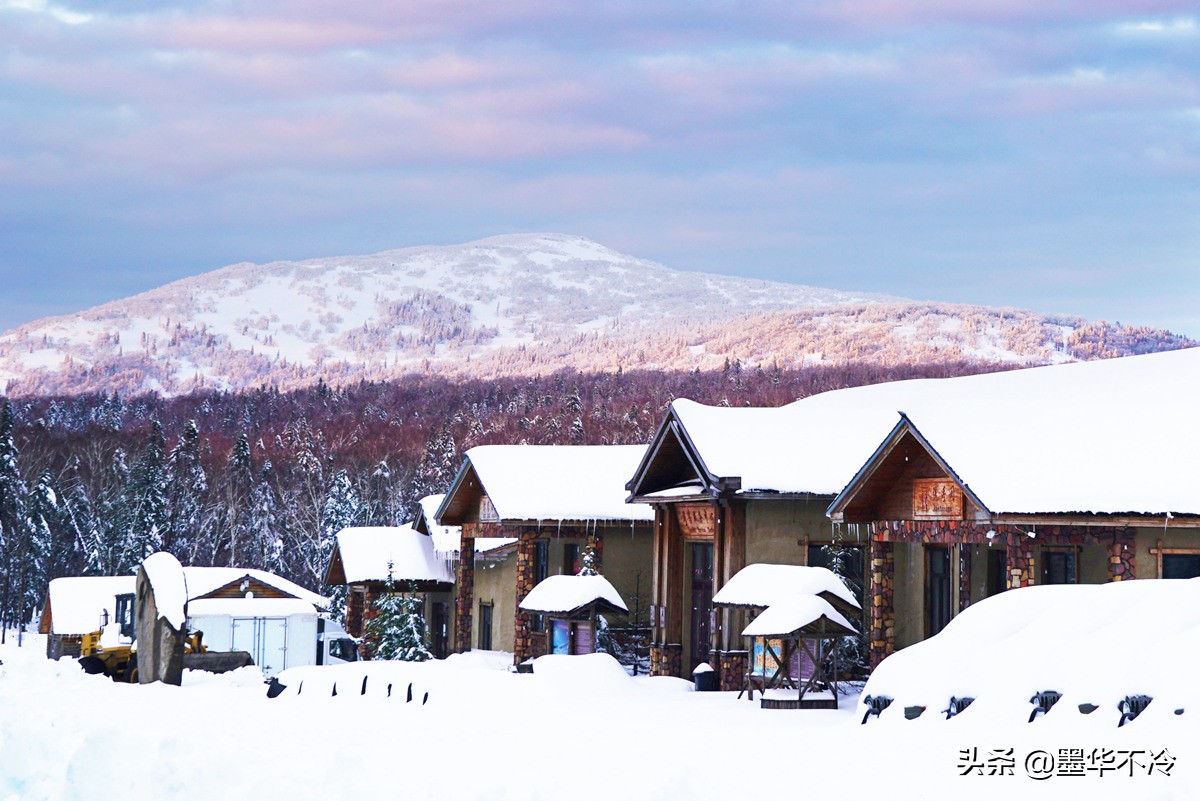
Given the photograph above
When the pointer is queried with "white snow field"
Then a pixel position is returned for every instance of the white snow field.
(578, 728)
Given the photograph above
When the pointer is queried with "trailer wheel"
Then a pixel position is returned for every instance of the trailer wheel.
(92, 665)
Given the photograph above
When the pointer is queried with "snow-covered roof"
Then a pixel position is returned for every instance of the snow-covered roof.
(446, 539)
(566, 594)
(366, 551)
(1101, 437)
(250, 607)
(767, 585)
(559, 482)
(1094, 643)
(790, 615)
(203, 580)
(77, 602)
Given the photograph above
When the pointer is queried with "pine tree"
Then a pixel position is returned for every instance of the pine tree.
(187, 487)
(342, 509)
(265, 533)
(14, 525)
(587, 561)
(398, 631)
(146, 498)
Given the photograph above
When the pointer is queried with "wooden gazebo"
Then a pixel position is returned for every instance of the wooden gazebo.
(803, 625)
(572, 603)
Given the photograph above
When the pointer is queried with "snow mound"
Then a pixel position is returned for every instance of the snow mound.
(581, 670)
(1094, 644)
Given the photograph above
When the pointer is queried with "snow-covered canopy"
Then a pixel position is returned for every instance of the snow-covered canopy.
(799, 613)
(767, 585)
(1094, 643)
(559, 482)
(165, 575)
(1101, 437)
(366, 552)
(568, 594)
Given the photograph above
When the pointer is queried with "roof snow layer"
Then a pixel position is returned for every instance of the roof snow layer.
(568, 593)
(1105, 437)
(165, 575)
(559, 482)
(367, 551)
(766, 585)
(792, 614)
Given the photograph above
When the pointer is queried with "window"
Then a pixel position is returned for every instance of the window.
(1181, 565)
(570, 559)
(1060, 567)
(485, 626)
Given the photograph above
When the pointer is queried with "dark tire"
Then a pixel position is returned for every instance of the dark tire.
(92, 665)
(131, 671)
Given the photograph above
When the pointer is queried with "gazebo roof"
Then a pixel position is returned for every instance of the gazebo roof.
(764, 585)
(573, 596)
(800, 616)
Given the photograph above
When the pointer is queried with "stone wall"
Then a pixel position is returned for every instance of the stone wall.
(731, 669)
(464, 596)
(881, 639)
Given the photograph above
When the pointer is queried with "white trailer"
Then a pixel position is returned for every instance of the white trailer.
(279, 633)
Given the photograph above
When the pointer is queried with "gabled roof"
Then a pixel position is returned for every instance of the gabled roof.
(801, 615)
(446, 539)
(546, 483)
(363, 554)
(1105, 437)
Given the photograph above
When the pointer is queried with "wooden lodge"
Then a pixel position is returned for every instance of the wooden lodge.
(942, 539)
(546, 504)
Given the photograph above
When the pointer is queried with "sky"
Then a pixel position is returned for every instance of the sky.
(1043, 154)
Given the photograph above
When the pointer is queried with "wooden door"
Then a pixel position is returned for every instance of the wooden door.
(938, 595)
(441, 628)
(702, 593)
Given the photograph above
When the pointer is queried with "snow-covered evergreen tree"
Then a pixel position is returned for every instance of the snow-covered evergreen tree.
(187, 487)
(14, 525)
(265, 531)
(343, 508)
(587, 561)
(398, 630)
(146, 498)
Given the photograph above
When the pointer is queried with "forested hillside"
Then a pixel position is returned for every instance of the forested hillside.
(91, 484)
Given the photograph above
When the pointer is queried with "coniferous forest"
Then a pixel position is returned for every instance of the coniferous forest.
(91, 484)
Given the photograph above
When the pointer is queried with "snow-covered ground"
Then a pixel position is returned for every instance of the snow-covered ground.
(577, 729)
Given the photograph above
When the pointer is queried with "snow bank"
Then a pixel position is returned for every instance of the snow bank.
(366, 552)
(1095, 644)
(559, 482)
(563, 594)
(581, 670)
(165, 575)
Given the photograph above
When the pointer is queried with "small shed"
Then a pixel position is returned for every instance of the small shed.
(572, 604)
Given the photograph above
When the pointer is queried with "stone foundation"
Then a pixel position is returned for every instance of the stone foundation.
(731, 669)
(666, 660)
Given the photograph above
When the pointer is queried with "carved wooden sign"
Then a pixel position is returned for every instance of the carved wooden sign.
(936, 498)
(487, 510)
(696, 520)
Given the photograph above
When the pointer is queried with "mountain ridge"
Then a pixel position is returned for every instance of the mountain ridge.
(508, 305)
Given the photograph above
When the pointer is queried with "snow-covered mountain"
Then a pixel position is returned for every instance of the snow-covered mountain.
(518, 304)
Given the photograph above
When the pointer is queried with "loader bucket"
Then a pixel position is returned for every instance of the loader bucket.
(217, 662)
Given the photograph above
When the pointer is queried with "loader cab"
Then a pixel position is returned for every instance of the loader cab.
(125, 614)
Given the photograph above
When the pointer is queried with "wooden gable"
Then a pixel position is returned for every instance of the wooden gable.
(670, 461)
(466, 501)
(239, 587)
(906, 480)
